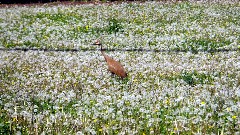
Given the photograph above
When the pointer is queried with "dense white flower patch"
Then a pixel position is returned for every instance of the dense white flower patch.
(147, 25)
(192, 92)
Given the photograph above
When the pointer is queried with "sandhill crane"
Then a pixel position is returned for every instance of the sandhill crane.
(114, 66)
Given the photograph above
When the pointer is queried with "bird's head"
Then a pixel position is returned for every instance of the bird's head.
(97, 43)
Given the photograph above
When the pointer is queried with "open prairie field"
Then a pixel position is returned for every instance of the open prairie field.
(182, 60)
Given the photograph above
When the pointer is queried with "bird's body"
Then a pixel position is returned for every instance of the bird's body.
(114, 66)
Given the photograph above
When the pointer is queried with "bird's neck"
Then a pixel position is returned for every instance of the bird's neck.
(104, 55)
(102, 50)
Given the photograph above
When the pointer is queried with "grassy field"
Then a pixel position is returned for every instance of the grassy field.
(190, 84)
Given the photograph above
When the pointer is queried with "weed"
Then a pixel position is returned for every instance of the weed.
(193, 78)
(114, 26)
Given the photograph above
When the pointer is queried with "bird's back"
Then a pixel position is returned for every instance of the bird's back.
(115, 66)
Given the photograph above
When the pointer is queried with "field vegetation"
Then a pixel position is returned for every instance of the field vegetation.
(188, 82)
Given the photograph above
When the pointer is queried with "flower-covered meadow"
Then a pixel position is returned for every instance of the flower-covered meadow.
(191, 85)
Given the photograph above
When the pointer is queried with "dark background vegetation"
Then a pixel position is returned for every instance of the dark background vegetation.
(25, 1)
(46, 1)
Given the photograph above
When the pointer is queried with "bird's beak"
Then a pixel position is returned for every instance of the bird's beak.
(94, 44)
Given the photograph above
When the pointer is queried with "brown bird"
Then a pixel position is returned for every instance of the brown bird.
(114, 66)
